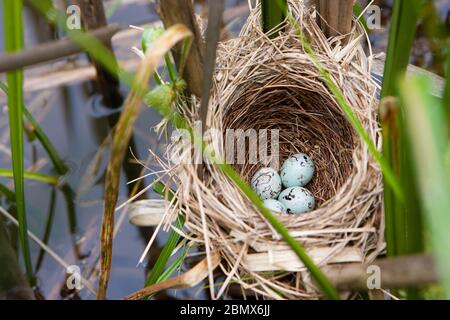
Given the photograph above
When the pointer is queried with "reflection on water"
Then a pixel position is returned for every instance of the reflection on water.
(70, 222)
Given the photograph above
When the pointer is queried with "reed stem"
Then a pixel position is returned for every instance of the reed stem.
(13, 23)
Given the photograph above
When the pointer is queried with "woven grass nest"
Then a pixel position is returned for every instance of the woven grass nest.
(264, 83)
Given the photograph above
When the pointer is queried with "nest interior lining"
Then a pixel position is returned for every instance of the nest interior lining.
(307, 121)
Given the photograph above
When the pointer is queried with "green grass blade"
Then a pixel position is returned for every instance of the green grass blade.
(171, 242)
(7, 193)
(403, 220)
(273, 14)
(404, 230)
(47, 231)
(413, 228)
(171, 68)
(59, 165)
(68, 195)
(389, 115)
(40, 177)
(401, 38)
(13, 23)
(358, 12)
(166, 253)
(427, 129)
(174, 266)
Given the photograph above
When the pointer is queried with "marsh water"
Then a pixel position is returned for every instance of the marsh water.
(69, 220)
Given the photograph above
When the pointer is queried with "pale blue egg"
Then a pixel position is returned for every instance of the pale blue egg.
(266, 183)
(297, 200)
(275, 206)
(297, 171)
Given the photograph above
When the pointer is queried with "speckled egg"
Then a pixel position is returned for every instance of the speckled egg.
(266, 183)
(297, 171)
(297, 200)
(275, 206)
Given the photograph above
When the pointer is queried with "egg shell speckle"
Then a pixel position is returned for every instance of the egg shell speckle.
(297, 171)
(297, 200)
(275, 206)
(266, 183)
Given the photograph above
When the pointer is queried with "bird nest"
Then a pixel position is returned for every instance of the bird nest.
(264, 83)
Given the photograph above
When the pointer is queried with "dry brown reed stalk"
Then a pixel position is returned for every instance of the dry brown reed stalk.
(121, 138)
(263, 83)
(181, 11)
(187, 280)
(335, 16)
